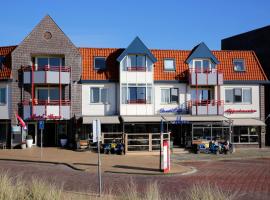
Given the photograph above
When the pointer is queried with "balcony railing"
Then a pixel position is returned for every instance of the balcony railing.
(205, 77)
(206, 107)
(136, 68)
(41, 109)
(46, 74)
(136, 101)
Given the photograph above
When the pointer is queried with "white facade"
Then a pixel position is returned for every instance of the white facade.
(242, 110)
(100, 109)
(5, 107)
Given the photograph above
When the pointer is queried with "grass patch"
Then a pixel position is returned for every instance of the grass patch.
(38, 189)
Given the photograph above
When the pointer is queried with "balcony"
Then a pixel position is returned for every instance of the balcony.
(50, 110)
(46, 75)
(207, 107)
(205, 77)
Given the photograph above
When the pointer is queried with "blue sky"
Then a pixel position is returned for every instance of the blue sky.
(168, 24)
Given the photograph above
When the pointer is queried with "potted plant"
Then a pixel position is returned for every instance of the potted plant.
(29, 141)
(23, 145)
(63, 140)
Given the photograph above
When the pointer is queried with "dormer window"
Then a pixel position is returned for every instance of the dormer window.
(169, 64)
(100, 63)
(202, 65)
(239, 65)
(137, 63)
(2, 60)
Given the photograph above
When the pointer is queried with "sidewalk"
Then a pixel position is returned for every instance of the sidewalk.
(87, 161)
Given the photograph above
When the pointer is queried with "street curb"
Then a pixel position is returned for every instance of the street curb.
(46, 162)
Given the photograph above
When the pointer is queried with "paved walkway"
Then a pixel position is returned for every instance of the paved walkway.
(131, 164)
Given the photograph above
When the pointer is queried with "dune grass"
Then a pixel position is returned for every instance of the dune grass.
(38, 189)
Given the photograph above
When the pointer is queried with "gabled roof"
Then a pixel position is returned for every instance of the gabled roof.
(5, 71)
(137, 47)
(201, 51)
(253, 71)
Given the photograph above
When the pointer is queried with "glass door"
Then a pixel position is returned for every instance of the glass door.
(32, 130)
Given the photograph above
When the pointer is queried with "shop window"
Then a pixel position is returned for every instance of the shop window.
(245, 134)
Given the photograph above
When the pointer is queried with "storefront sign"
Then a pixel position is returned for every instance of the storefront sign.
(171, 110)
(166, 164)
(41, 117)
(232, 111)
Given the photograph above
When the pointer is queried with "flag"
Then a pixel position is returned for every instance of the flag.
(21, 122)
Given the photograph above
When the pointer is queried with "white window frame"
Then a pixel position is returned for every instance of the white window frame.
(100, 95)
(170, 96)
(239, 60)
(2, 104)
(95, 62)
(210, 67)
(242, 94)
(174, 64)
(146, 86)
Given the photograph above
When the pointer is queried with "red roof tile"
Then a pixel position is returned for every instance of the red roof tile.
(253, 68)
(5, 72)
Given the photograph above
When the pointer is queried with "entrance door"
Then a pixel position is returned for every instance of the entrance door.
(32, 130)
(49, 135)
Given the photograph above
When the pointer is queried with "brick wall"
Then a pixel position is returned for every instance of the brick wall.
(36, 44)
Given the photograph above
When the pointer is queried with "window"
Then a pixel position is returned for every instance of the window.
(169, 65)
(49, 61)
(203, 94)
(238, 95)
(2, 61)
(100, 63)
(99, 95)
(169, 95)
(136, 93)
(246, 134)
(239, 65)
(46, 94)
(136, 63)
(2, 96)
(202, 65)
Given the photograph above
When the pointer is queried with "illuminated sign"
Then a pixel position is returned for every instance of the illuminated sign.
(233, 111)
(40, 117)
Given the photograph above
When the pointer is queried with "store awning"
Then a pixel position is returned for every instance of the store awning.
(191, 118)
(103, 119)
(248, 122)
(153, 118)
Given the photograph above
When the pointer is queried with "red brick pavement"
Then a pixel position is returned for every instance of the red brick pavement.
(249, 178)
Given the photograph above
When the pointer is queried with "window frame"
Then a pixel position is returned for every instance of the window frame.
(100, 101)
(174, 64)
(98, 57)
(237, 134)
(49, 93)
(242, 95)
(239, 60)
(202, 68)
(170, 96)
(61, 58)
(147, 88)
(5, 95)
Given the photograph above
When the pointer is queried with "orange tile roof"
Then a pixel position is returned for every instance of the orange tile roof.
(254, 71)
(5, 72)
(88, 71)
